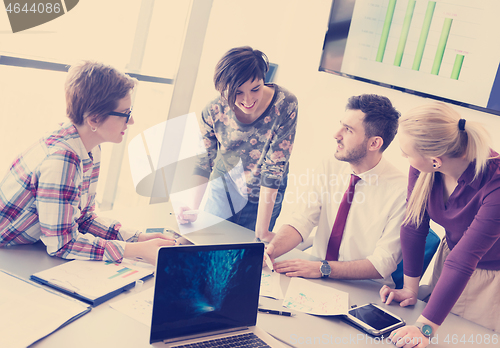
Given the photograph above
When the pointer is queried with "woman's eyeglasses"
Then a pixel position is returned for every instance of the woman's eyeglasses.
(121, 114)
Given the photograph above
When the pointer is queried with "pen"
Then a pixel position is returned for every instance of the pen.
(272, 311)
(268, 262)
(268, 258)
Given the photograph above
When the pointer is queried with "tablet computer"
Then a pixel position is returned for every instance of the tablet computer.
(373, 319)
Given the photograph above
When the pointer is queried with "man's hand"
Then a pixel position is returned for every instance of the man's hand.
(268, 260)
(299, 268)
(405, 296)
(269, 251)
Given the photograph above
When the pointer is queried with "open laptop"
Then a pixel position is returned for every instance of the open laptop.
(206, 293)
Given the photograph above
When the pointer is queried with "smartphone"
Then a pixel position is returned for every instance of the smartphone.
(373, 319)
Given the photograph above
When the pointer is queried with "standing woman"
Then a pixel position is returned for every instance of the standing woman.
(251, 125)
(454, 180)
(49, 192)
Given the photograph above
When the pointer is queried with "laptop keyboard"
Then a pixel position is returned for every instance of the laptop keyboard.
(244, 340)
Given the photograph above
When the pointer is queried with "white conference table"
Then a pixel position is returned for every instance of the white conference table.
(105, 326)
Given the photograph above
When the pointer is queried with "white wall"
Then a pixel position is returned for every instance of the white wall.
(291, 33)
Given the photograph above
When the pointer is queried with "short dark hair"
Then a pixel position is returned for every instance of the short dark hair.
(94, 89)
(237, 66)
(381, 118)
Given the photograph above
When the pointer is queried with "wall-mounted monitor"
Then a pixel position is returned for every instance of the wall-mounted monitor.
(271, 72)
(443, 49)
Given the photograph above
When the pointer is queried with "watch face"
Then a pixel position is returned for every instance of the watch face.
(325, 269)
(427, 330)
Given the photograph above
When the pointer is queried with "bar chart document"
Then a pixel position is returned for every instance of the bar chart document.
(444, 48)
(94, 281)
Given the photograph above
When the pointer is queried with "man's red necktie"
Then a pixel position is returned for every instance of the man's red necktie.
(332, 252)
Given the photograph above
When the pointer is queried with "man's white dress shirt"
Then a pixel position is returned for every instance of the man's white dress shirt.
(374, 220)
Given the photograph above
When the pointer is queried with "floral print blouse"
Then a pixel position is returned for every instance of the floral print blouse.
(258, 151)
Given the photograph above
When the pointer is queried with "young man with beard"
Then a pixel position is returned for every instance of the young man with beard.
(360, 239)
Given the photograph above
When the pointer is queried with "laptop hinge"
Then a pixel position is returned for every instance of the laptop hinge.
(205, 334)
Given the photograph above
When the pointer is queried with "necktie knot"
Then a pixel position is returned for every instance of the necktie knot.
(354, 180)
(349, 194)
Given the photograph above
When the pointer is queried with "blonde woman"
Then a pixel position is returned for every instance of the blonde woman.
(455, 181)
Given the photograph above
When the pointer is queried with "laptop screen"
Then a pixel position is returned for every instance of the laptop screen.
(205, 288)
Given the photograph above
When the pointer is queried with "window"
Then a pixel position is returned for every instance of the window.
(142, 37)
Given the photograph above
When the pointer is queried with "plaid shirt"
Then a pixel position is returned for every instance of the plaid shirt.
(49, 194)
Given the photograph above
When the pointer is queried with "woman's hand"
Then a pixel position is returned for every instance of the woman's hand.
(405, 296)
(149, 249)
(408, 337)
(147, 246)
(185, 218)
(265, 236)
(148, 236)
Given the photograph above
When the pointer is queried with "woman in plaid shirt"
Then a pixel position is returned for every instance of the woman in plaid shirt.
(49, 192)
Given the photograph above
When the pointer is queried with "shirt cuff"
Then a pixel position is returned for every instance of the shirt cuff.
(114, 250)
(304, 229)
(129, 235)
(270, 181)
(385, 266)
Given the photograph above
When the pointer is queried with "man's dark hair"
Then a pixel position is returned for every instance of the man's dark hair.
(381, 118)
(237, 66)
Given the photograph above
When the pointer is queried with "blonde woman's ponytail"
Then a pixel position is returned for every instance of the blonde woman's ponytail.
(437, 130)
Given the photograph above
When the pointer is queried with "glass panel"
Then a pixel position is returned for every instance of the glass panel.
(101, 30)
(32, 101)
(151, 105)
(31, 104)
(166, 35)
(94, 29)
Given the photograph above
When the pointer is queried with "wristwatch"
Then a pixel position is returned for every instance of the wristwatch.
(425, 329)
(325, 269)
